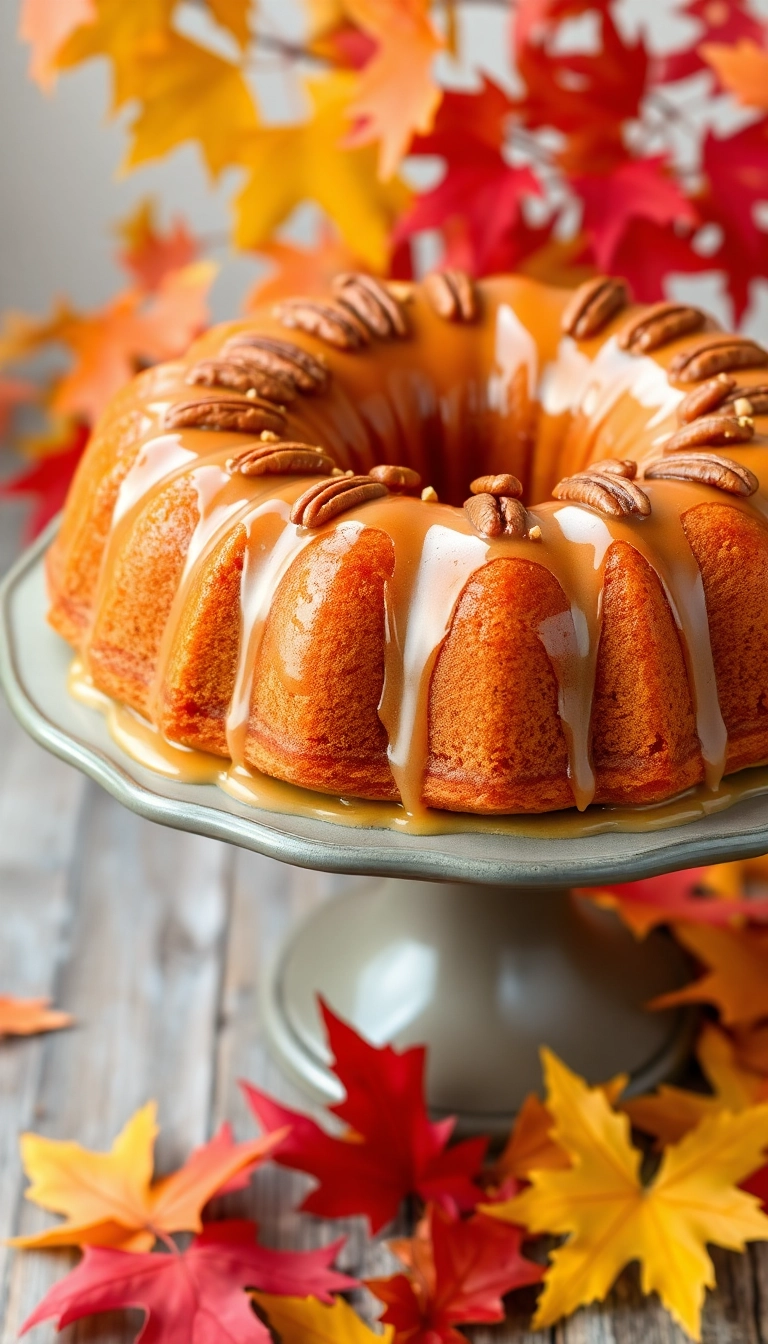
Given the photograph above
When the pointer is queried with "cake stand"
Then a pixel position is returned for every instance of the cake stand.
(471, 943)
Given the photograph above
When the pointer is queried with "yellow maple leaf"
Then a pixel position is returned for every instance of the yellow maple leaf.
(737, 982)
(742, 69)
(125, 33)
(292, 164)
(396, 96)
(610, 1218)
(46, 25)
(304, 1320)
(235, 16)
(324, 15)
(531, 1146)
(109, 1199)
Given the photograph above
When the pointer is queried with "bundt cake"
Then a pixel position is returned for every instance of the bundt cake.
(316, 546)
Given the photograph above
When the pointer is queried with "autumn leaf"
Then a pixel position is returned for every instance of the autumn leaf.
(735, 169)
(396, 95)
(302, 270)
(235, 16)
(459, 1271)
(28, 1017)
(196, 1295)
(531, 1146)
(737, 980)
(292, 164)
(726, 21)
(48, 479)
(304, 1320)
(742, 69)
(46, 25)
(125, 34)
(636, 189)
(109, 1199)
(147, 253)
(390, 1148)
(610, 1218)
(695, 895)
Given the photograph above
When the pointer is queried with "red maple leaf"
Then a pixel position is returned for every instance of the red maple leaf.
(636, 189)
(736, 169)
(47, 481)
(677, 898)
(726, 21)
(648, 253)
(390, 1148)
(459, 1271)
(195, 1295)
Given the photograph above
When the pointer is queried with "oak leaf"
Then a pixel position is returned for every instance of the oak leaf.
(147, 253)
(742, 69)
(292, 164)
(737, 979)
(48, 479)
(109, 1199)
(396, 95)
(390, 1148)
(27, 1017)
(304, 1320)
(46, 25)
(610, 1218)
(459, 1270)
(196, 1295)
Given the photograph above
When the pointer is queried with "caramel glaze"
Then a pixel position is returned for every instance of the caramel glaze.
(452, 401)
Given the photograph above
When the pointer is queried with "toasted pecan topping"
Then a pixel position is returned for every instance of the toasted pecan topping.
(239, 374)
(327, 499)
(246, 417)
(282, 459)
(496, 515)
(711, 430)
(395, 478)
(757, 397)
(615, 466)
(610, 493)
(371, 301)
(429, 495)
(281, 358)
(659, 325)
(452, 295)
(329, 322)
(593, 305)
(504, 484)
(716, 354)
(708, 468)
(705, 398)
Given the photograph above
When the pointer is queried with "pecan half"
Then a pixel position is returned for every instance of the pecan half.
(593, 305)
(452, 295)
(396, 479)
(327, 499)
(711, 430)
(705, 398)
(241, 375)
(329, 322)
(757, 397)
(659, 325)
(282, 459)
(504, 484)
(372, 303)
(708, 468)
(610, 493)
(615, 466)
(280, 358)
(245, 417)
(716, 354)
(496, 515)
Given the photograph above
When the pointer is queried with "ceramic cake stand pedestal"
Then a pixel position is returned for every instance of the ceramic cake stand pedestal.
(471, 943)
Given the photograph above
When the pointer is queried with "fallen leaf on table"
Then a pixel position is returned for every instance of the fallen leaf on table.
(737, 980)
(741, 68)
(390, 1149)
(196, 1295)
(27, 1017)
(611, 1218)
(48, 479)
(109, 1199)
(47, 24)
(531, 1147)
(459, 1271)
(670, 1112)
(396, 95)
(304, 1320)
(148, 253)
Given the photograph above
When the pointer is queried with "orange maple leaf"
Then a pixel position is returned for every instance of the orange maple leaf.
(109, 1199)
(397, 96)
(27, 1017)
(302, 270)
(47, 24)
(531, 1147)
(737, 980)
(148, 253)
(741, 68)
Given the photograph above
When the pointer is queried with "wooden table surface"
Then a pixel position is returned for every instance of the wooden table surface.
(155, 941)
